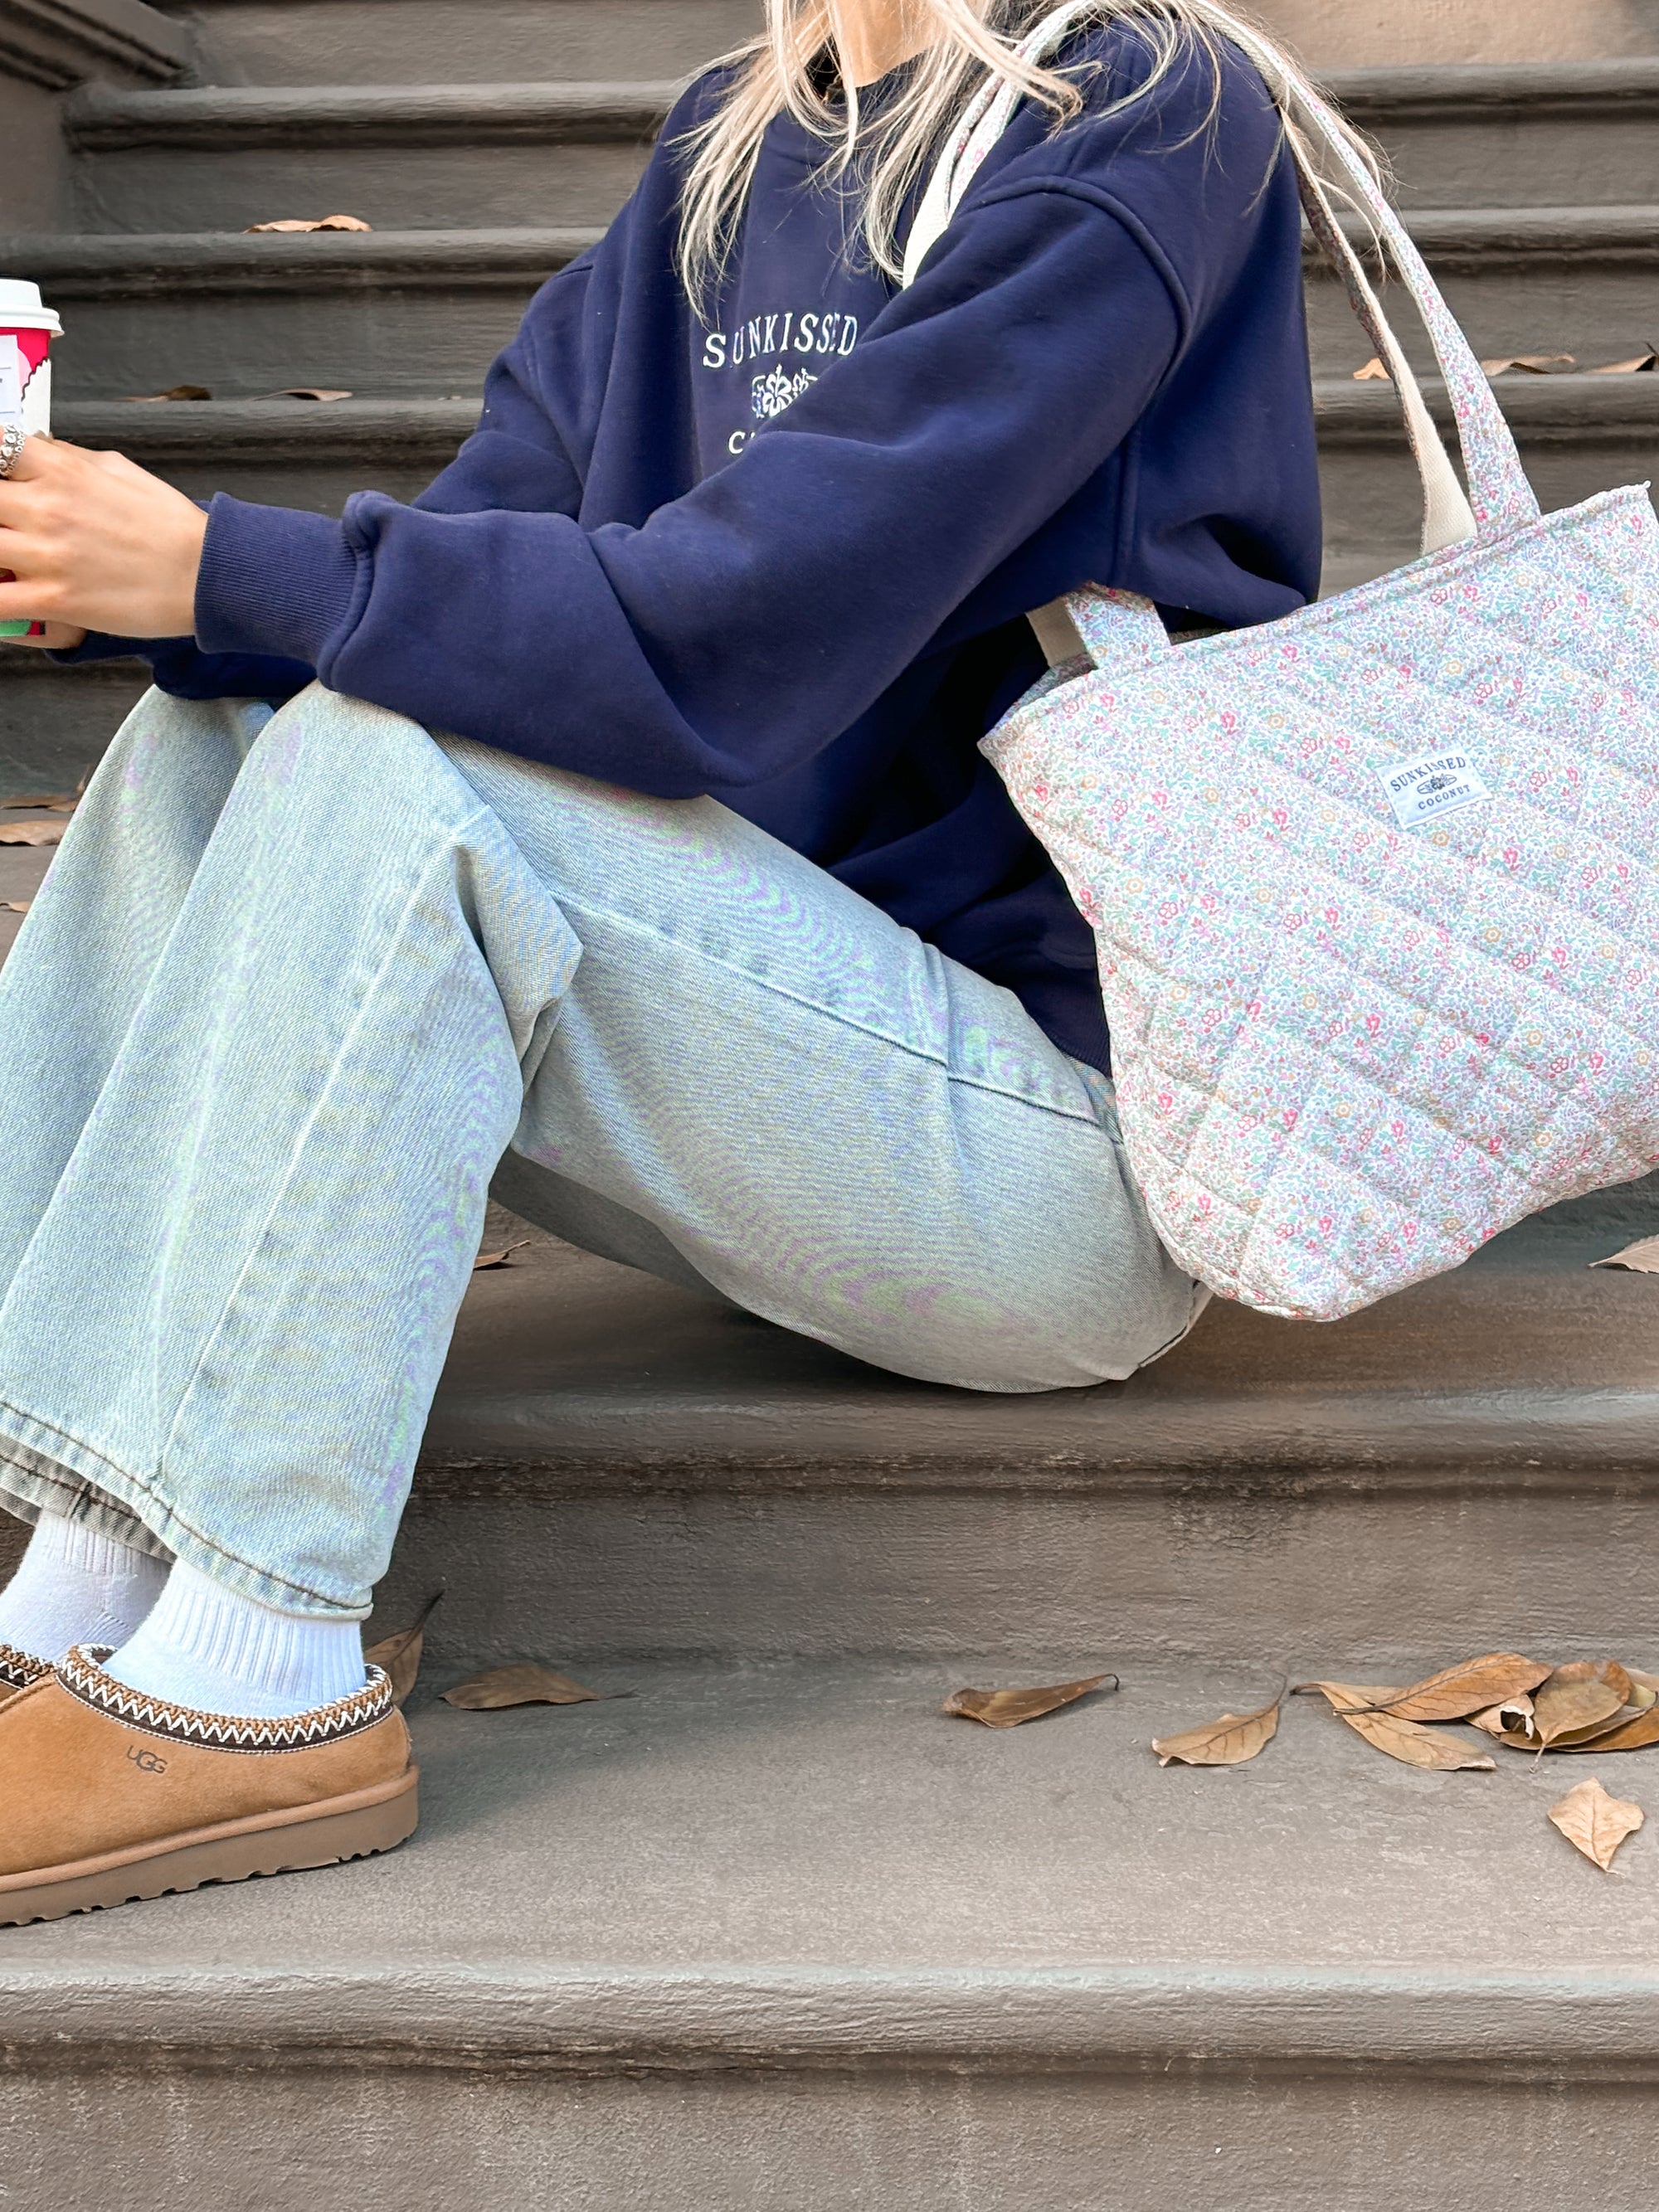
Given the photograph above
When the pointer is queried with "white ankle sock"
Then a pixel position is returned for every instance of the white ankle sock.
(205, 1647)
(75, 1586)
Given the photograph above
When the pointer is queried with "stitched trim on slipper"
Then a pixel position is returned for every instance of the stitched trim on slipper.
(19, 1668)
(84, 1678)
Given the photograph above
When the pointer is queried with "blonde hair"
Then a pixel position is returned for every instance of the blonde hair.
(973, 42)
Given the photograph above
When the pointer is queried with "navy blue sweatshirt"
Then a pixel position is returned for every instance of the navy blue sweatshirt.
(780, 552)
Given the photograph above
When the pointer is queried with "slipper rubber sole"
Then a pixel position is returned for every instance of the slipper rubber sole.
(351, 1827)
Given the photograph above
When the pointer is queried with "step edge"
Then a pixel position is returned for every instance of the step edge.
(1497, 2022)
(101, 118)
(138, 265)
(117, 265)
(1451, 92)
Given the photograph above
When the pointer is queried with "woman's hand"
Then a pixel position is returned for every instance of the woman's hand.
(94, 542)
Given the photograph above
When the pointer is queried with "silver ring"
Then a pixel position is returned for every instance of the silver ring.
(12, 442)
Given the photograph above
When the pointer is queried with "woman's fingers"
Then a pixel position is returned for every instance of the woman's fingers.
(96, 543)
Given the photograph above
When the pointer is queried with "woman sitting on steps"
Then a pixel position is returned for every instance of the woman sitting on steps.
(606, 828)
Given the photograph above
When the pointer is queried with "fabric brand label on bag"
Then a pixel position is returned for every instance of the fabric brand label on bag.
(1423, 790)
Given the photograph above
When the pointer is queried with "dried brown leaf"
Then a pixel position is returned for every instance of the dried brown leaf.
(1643, 1688)
(176, 392)
(16, 906)
(1641, 1258)
(1352, 1696)
(1595, 1823)
(1642, 362)
(526, 1684)
(1456, 1692)
(1510, 1719)
(304, 392)
(1406, 1740)
(1633, 1729)
(1579, 1696)
(33, 833)
(1008, 1708)
(1372, 372)
(1413, 1745)
(400, 1655)
(498, 1259)
(42, 798)
(1535, 364)
(323, 223)
(1227, 1742)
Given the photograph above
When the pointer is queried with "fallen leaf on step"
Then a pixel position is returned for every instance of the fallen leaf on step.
(498, 1259)
(323, 223)
(1643, 1688)
(61, 799)
(1408, 1741)
(14, 906)
(303, 391)
(1595, 1823)
(1008, 1708)
(1579, 1696)
(1413, 1745)
(1456, 1692)
(178, 392)
(1227, 1742)
(1631, 1730)
(400, 1655)
(1641, 1258)
(523, 1684)
(1643, 362)
(1511, 1719)
(1372, 372)
(33, 833)
(1535, 364)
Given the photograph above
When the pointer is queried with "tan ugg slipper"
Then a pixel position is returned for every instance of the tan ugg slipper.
(18, 1669)
(107, 1795)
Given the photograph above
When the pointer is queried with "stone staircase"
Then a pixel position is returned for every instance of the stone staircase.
(766, 1931)
(1533, 188)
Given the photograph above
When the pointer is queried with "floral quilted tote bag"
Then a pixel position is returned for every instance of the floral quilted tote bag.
(1373, 886)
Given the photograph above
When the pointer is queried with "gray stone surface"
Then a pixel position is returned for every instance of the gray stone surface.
(639, 1470)
(336, 42)
(752, 1936)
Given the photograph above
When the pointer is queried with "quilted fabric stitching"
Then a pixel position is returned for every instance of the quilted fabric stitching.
(1561, 632)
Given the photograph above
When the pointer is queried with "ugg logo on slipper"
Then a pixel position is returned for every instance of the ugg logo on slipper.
(145, 1760)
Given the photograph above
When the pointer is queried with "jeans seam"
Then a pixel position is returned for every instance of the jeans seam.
(394, 940)
(148, 1489)
(829, 1013)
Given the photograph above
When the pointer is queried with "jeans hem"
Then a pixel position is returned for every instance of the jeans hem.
(43, 1469)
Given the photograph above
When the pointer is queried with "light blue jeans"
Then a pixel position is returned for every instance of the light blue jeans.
(299, 985)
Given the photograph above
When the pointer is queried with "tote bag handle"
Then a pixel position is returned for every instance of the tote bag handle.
(1500, 499)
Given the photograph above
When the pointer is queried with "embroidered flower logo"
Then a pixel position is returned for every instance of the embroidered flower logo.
(775, 391)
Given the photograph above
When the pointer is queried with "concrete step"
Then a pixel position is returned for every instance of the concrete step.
(1551, 134)
(398, 313)
(749, 1938)
(1472, 1462)
(416, 312)
(1571, 135)
(401, 156)
(1583, 281)
(1506, 135)
(332, 42)
(1578, 434)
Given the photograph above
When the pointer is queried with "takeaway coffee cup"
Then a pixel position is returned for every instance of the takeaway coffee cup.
(26, 330)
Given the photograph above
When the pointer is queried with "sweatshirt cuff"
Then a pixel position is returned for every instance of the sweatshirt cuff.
(273, 580)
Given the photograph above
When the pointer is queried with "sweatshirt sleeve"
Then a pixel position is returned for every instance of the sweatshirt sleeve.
(519, 456)
(744, 626)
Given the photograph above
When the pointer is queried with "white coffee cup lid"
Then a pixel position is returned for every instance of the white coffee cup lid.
(21, 309)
